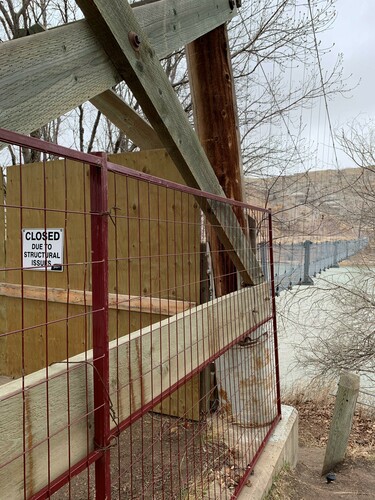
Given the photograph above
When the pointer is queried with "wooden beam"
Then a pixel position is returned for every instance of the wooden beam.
(147, 80)
(162, 355)
(215, 109)
(45, 75)
(126, 119)
(133, 303)
(124, 116)
(216, 122)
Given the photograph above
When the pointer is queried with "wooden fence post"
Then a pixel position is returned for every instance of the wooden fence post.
(346, 399)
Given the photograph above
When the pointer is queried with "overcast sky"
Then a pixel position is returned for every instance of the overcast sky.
(354, 35)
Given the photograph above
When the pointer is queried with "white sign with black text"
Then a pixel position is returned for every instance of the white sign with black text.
(43, 249)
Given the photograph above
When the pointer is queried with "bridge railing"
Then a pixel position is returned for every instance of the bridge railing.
(299, 263)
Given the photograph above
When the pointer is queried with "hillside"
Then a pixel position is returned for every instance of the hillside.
(317, 205)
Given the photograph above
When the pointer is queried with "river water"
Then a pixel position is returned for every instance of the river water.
(307, 312)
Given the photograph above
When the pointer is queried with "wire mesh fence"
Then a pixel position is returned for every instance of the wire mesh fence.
(142, 365)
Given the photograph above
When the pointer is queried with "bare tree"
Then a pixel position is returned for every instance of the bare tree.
(357, 140)
(347, 340)
(275, 64)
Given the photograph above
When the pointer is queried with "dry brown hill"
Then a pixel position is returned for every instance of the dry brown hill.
(319, 205)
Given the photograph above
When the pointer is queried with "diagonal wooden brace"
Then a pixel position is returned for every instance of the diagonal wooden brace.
(127, 45)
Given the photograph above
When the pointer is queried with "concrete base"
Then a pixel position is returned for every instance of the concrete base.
(281, 449)
(307, 281)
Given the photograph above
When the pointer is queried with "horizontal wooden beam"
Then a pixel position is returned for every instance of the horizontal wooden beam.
(161, 355)
(133, 303)
(45, 75)
(146, 78)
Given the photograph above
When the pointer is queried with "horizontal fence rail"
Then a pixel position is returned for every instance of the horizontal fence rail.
(299, 263)
(135, 362)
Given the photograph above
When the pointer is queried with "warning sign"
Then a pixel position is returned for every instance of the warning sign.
(43, 249)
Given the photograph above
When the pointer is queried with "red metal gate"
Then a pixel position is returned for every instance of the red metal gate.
(131, 378)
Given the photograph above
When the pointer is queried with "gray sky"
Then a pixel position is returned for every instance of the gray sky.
(354, 35)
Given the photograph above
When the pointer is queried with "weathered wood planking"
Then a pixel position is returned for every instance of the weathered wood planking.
(145, 76)
(161, 355)
(132, 303)
(31, 412)
(67, 204)
(216, 122)
(45, 75)
(154, 222)
(157, 254)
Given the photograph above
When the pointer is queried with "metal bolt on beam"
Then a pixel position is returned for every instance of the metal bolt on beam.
(134, 40)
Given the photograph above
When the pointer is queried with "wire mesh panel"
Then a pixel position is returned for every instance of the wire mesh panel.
(47, 412)
(145, 365)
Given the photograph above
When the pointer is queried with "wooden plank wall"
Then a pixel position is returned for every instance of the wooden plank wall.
(67, 186)
(163, 224)
(173, 237)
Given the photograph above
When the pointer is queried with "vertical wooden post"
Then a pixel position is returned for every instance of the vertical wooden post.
(215, 117)
(252, 225)
(100, 337)
(216, 122)
(342, 419)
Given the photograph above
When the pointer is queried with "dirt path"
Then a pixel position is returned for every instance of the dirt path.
(355, 478)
